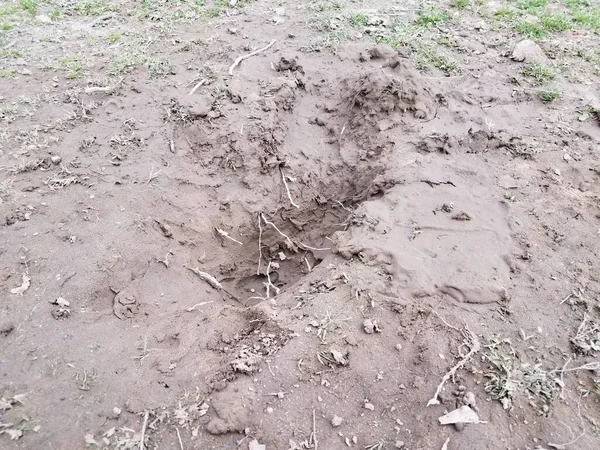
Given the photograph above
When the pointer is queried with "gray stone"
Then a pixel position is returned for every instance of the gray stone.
(528, 51)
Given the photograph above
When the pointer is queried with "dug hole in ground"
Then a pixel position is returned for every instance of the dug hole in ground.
(267, 247)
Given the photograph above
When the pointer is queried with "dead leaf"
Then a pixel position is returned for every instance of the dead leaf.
(464, 414)
(13, 433)
(19, 398)
(61, 302)
(339, 357)
(89, 439)
(254, 445)
(24, 286)
(5, 405)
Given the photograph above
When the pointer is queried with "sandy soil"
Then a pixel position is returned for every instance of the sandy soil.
(384, 216)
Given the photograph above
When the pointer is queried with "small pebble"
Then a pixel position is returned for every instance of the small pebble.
(336, 421)
(399, 444)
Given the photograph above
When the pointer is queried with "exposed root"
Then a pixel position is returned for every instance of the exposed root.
(287, 189)
(291, 245)
(225, 234)
(475, 345)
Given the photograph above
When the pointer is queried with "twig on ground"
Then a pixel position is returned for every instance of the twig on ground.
(144, 430)
(195, 88)
(564, 446)
(153, 174)
(289, 241)
(308, 247)
(287, 189)
(179, 437)
(243, 57)
(212, 281)
(259, 244)
(475, 347)
(444, 320)
(313, 436)
(166, 260)
(225, 234)
(197, 305)
(307, 264)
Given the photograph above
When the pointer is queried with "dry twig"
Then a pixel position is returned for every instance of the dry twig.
(225, 234)
(195, 88)
(179, 437)
(144, 430)
(243, 57)
(475, 347)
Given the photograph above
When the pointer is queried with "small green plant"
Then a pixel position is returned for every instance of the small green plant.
(432, 17)
(358, 19)
(427, 55)
(113, 37)
(11, 72)
(460, 4)
(91, 7)
(74, 66)
(506, 12)
(540, 73)
(29, 6)
(555, 22)
(531, 4)
(6, 26)
(588, 18)
(55, 14)
(530, 29)
(548, 96)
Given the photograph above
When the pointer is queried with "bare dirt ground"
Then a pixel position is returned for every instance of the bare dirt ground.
(389, 213)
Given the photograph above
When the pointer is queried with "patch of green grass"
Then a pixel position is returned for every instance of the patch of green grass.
(447, 41)
(74, 66)
(330, 41)
(91, 7)
(55, 14)
(5, 26)
(588, 18)
(113, 37)
(358, 19)
(427, 56)
(506, 12)
(133, 54)
(530, 29)
(548, 96)
(158, 67)
(432, 17)
(460, 4)
(30, 6)
(531, 4)
(555, 21)
(6, 10)
(540, 73)
(11, 72)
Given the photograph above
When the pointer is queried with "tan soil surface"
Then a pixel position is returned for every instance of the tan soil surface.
(295, 255)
